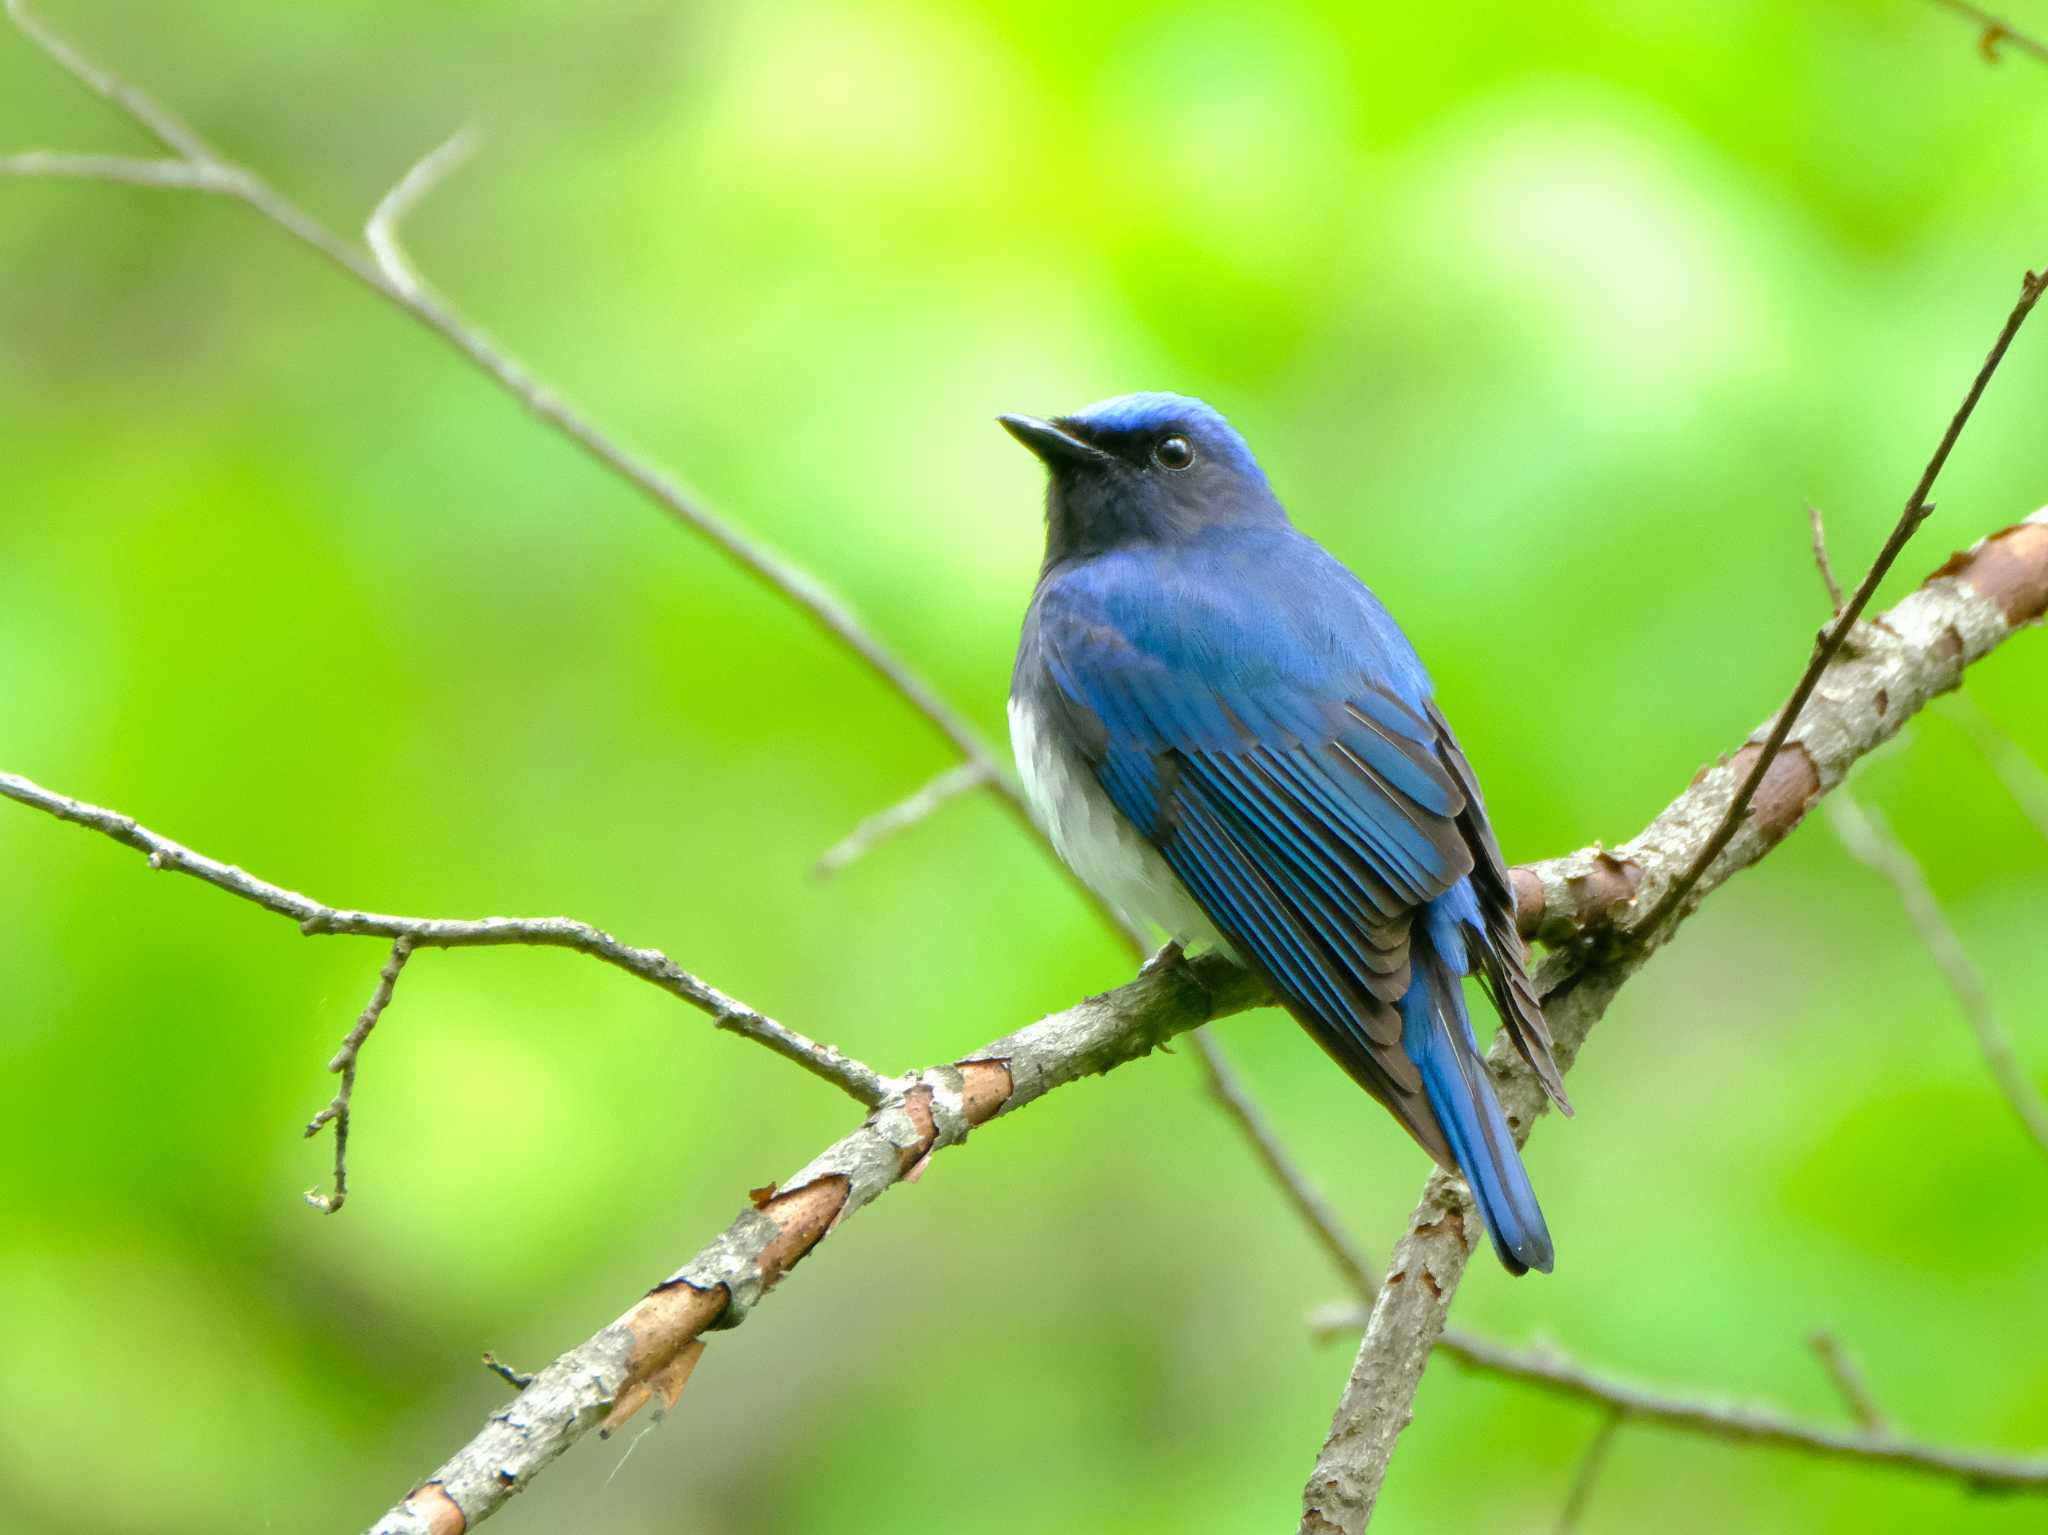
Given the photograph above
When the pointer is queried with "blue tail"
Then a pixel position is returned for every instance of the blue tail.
(1437, 1036)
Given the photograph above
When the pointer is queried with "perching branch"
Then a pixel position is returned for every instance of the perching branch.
(854, 1078)
(1919, 650)
(1864, 833)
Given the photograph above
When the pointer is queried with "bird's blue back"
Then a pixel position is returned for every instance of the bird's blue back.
(1252, 709)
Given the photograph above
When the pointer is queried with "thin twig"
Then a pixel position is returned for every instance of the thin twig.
(786, 578)
(518, 1380)
(344, 1062)
(1917, 509)
(854, 1078)
(381, 232)
(1307, 1200)
(1741, 1423)
(1864, 833)
(162, 125)
(1820, 559)
(1547, 1368)
(128, 170)
(1591, 1463)
(1995, 30)
(2023, 777)
(1848, 1381)
(905, 813)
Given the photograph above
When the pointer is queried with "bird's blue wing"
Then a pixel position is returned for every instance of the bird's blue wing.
(1254, 712)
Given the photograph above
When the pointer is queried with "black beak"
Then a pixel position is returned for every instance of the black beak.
(1050, 442)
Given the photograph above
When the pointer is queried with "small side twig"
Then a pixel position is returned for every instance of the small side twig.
(902, 815)
(1820, 559)
(1591, 1463)
(1918, 508)
(855, 1078)
(518, 1380)
(1848, 1381)
(344, 1062)
(1864, 833)
(1994, 30)
(381, 232)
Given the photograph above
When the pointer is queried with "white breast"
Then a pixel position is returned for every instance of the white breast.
(1093, 837)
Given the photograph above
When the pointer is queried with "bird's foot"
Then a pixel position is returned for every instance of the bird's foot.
(1171, 957)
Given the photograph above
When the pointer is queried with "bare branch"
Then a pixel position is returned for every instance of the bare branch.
(1917, 509)
(381, 233)
(344, 1062)
(2021, 774)
(1875, 1442)
(1848, 1382)
(174, 175)
(905, 813)
(787, 579)
(1590, 1466)
(854, 1078)
(1864, 833)
(1994, 30)
(1919, 651)
(1820, 559)
(1754, 1425)
(160, 123)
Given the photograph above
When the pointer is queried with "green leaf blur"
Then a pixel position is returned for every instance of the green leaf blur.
(1549, 319)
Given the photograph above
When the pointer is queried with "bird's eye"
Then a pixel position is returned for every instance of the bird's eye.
(1174, 452)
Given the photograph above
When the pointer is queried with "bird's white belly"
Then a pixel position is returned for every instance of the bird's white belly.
(1094, 838)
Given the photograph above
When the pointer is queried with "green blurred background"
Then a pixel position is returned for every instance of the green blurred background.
(1546, 318)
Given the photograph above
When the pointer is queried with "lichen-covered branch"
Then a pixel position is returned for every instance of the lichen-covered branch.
(315, 918)
(1917, 650)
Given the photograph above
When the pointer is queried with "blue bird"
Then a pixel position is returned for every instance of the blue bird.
(1228, 736)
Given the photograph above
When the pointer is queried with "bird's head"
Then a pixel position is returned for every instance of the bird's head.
(1142, 468)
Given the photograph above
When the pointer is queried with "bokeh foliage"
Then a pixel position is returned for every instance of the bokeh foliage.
(1546, 317)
